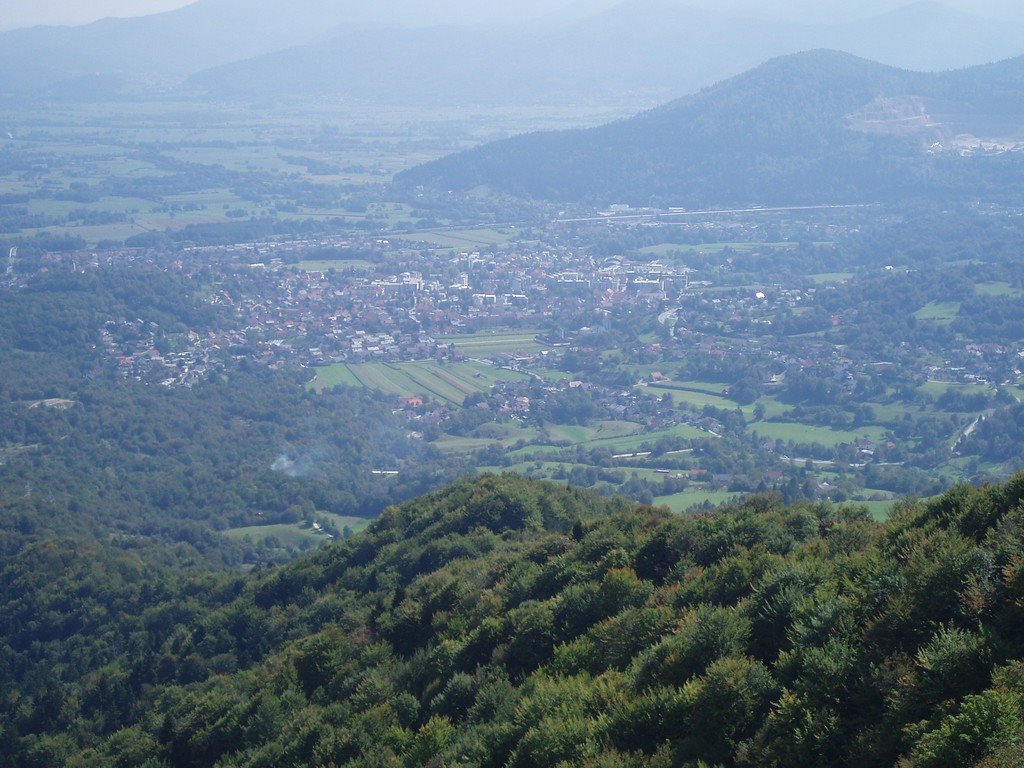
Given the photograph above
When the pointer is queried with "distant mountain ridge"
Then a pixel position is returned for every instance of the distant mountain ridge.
(640, 51)
(820, 126)
(659, 48)
(170, 46)
(634, 46)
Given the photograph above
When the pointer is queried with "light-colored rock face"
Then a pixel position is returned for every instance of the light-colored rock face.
(942, 126)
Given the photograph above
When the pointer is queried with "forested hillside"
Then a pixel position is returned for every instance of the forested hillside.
(88, 451)
(812, 128)
(506, 622)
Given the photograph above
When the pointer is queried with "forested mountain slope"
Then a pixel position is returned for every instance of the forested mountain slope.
(506, 622)
(86, 451)
(817, 127)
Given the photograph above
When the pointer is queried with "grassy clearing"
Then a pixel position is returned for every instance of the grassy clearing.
(333, 376)
(635, 442)
(938, 388)
(687, 397)
(697, 394)
(506, 432)
(432, 385)
(602, 430)
(541, 449)
(939, 311)
(471, 376)
(680, 502)
(803, 433)
(559, 470)
(998, 289)
(772, 408)
(555, 376)
(354, 524)
(495, 342)
(831, 277)
(889, 413)
(297, 535)
(710, 387)
(450, 444)
(879, 510)
(447, 382)
(470, 238)
(289, 535)
(327, 265)
(668, 249)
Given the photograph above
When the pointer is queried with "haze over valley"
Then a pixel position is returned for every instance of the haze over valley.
(633, 53)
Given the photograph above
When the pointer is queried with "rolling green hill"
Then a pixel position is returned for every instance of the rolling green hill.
(507, 622)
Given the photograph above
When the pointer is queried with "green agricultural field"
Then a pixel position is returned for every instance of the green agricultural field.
(540, 448)
(805, 433)
(555, 376)
(680, 502)
(997, 289)
(879, 510)
(340, 264)
(772, 408)
(470, 238)
(668, 249)
(558, 470)
(831, 277)
(635, 442)
(506, 432)
(450, 444)
(888, 413)
(290, 535)
(215, 200)
(602, 430)
(446, 382)
(569, 433)
(497, 470)
(379, 376)
(354, 524)
(939, 311)
(298, 535)
(687, 397)
(426, 383)
(938, 388)
(711, 387)
(645, 473)
(334, 376)
(470, 377)
(494, 342)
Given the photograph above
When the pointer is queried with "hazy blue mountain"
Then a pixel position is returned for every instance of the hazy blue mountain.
(647, 50)
(817, 127)
(655, 47)
(841, 11)
(166, 45)
(642, 51)
(174, 44)
(927, 35)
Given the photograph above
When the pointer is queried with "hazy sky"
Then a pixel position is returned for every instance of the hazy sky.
(24, 13)
(21, 13)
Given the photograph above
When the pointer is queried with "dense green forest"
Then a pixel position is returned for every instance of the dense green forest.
(88, 452)
(179, 467)
(507, 622)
